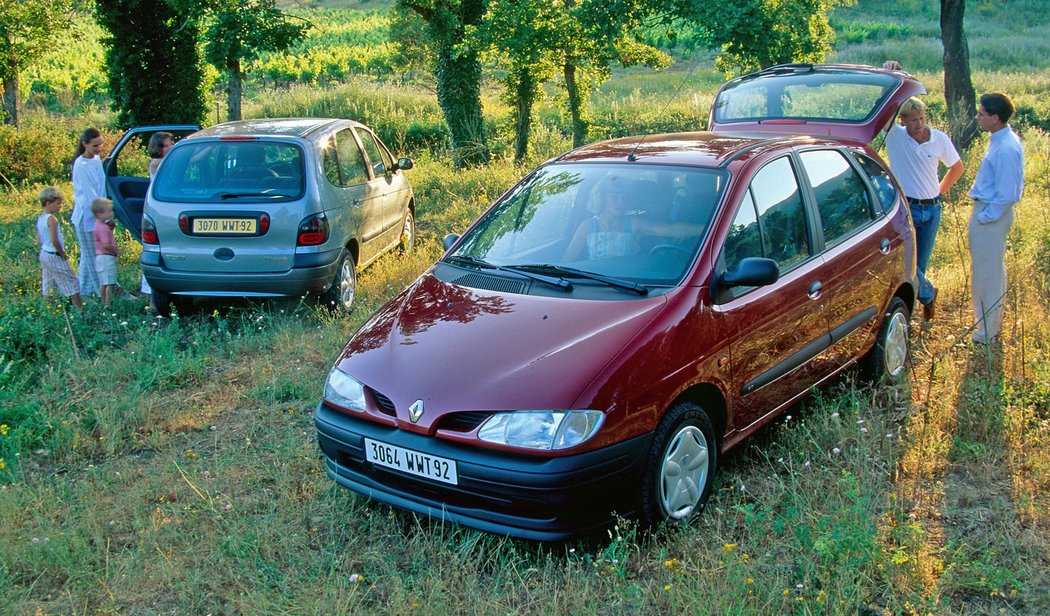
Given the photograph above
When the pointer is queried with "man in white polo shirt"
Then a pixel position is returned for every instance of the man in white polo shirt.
(915, 151)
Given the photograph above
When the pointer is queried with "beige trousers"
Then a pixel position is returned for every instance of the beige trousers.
(988, 271)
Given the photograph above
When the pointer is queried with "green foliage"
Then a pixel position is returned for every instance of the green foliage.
(69, 77)
(26, 27)
(155, 70)
(755, 34)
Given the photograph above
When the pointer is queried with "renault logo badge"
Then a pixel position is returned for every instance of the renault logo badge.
(415, 411)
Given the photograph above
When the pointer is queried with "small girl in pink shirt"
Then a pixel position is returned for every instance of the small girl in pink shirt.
(105, 248)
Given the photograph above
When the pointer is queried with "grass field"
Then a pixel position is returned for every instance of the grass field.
(169, 466)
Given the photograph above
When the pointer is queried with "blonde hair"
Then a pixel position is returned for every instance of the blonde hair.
(912, 104)
(48, 194)
(99, 205)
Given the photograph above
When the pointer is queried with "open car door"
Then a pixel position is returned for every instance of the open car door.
(836, 100)
(127, 172)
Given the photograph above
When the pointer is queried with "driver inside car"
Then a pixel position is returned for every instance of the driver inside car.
(612, 232)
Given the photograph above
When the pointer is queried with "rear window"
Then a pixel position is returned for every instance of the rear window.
(812, 95)
(247, 171)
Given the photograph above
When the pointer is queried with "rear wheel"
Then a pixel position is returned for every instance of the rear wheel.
(888, 359)
(161, 302)
(340, 295)
(408, 233)
(679, 472)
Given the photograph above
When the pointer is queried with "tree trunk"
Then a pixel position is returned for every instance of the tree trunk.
(958, 88)
(524, 100)
(577, 104)
(10, 84)
(11, 96)
(233, 90)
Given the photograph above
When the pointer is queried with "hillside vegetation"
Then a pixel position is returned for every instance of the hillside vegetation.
(169, 466)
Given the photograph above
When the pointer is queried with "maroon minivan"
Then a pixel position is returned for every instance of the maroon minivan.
(633, 308)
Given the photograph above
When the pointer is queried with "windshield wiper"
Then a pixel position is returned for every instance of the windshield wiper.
(572, 271)
(227, 195)
(561, 283)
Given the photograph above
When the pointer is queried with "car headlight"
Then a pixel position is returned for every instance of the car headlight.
(343, 390)
(549, 430)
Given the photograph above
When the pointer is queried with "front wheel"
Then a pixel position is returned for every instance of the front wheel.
(344, 286)
(888, 359)
(680, 469)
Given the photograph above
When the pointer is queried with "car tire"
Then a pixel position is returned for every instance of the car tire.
(164, 302)
(888, 359)
(408, 233)
(340, 296)
(679, 472)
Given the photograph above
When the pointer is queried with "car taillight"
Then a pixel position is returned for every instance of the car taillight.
(264, 224)
(184, 223)
(149, 231)
(313, 231)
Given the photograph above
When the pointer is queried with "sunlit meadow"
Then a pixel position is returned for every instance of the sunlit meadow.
(169, 466)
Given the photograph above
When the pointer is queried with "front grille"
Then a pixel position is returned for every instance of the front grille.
(463, 422)
(492, 283)
(386, 405)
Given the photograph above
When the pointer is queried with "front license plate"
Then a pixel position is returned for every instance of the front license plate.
(230, 226)
(411, 462)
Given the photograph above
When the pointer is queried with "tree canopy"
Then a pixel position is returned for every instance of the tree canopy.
(26, 26)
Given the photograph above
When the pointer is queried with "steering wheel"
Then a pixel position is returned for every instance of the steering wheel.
(669, 248)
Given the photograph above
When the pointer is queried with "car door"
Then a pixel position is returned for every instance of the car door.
(387, 181)
(863, 251)
(778, 332)
(127, 173)
(357, 208)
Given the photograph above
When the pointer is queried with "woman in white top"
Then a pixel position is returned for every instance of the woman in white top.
(89, 183)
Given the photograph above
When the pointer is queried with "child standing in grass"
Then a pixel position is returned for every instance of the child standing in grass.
(105, 248)
(55, 272)
(89, 183)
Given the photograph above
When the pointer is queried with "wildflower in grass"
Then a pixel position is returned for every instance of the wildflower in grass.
(864, 430)
(3, 429)
(227, 506)
(788, 418)
(3, 464)
(787, 591)
(750, 581)
(356, 578)
(667, 587)
(836, 451)
(835, 415)
(860, 421)
(728, 547)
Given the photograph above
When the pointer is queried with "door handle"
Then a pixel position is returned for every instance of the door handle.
(814, 289)
(884, 246)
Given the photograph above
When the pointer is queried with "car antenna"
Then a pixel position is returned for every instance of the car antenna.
(631, 156)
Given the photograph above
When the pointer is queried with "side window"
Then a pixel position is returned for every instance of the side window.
(842, 197)
(745, 238)
(351, 165)
(885, 190)
(379, 163)
(781, 213)
(330, 163)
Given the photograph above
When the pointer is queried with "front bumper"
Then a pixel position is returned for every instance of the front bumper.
(542, 499)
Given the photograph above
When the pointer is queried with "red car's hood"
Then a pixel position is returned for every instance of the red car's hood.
(462, 349)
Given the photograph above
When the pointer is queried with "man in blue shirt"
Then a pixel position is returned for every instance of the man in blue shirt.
(996, 188)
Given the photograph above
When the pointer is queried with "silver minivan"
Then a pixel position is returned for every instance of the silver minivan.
(265, 208)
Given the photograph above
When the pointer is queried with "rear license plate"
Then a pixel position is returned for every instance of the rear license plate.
(411, 462)
(230, 226)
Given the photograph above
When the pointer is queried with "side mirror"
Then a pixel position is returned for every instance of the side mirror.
(449, 240)
(403, 164)
(752, 272)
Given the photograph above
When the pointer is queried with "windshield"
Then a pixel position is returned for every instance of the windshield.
(638, 223)
(811, 95)
(244, 171)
